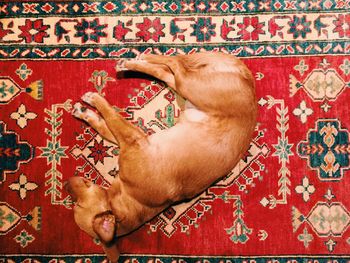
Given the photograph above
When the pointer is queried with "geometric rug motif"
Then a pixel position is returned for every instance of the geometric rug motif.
(328, 220)
(13, 152)
(327, 149)
(287, 196)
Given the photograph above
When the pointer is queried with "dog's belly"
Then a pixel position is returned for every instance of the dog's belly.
(188, 158)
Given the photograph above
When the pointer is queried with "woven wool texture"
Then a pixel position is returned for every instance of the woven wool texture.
(287, 199)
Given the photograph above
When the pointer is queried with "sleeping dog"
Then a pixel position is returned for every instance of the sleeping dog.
(176, 164)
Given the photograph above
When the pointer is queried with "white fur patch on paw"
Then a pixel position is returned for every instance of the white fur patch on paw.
(78, 110)
(141, 57)
(88, 97)
(89, 116)
(81, 112)
(121, 65)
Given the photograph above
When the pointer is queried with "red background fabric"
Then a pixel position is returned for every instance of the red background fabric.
(290, 198)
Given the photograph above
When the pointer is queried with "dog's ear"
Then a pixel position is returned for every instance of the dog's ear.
(112, 252)
(105, 228)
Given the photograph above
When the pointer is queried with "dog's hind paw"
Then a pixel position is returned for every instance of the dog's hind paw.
(121, 65)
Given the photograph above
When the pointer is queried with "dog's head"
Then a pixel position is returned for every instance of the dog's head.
(92, 212)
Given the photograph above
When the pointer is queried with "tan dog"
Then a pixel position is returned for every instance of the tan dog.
(213, 133)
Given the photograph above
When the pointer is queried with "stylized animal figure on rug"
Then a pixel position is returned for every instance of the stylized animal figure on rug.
(156, 171)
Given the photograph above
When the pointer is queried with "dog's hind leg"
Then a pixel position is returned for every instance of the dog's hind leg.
(165, 68)
(173, 63)
(94, 120)
(174, 68)
(213, 82)
(123, 131)
(159, 71)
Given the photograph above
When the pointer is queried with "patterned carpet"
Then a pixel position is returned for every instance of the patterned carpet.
(291, 199)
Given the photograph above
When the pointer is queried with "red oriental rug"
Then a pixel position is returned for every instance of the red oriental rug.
(290, 202)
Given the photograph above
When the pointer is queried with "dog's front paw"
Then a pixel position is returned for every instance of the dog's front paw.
(90, 98)
(81, 112)
(78, 110)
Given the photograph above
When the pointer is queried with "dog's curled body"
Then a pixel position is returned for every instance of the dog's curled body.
(176, 164)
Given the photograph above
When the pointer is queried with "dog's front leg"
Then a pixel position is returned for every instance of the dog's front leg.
(123, 131)
(94, 120)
